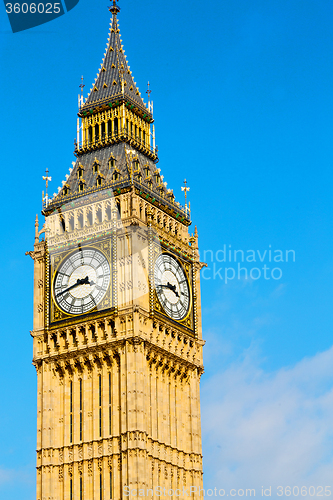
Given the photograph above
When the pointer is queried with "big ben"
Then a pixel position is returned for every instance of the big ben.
(117, 340)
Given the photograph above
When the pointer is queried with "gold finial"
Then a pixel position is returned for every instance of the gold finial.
(114, 8)
(148, 91)
(82, 85)
(46, 178)
(186, 189)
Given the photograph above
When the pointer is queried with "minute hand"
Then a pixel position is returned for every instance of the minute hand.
(84, 281)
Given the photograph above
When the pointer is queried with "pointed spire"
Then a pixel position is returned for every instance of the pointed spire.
(114, 82)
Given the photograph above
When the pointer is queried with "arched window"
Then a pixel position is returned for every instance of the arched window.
(136, 165)
(80, 170)
(89, 218)
(95, 166)
(108, 212)
(71, 223)
(118, 207)
(157, 177)
(80, 221)
(109, 129)
(115, 123)
(99, 215)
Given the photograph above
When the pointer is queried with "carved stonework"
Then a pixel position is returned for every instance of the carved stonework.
(61, 473)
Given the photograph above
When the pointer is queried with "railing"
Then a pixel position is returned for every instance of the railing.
(106, 139)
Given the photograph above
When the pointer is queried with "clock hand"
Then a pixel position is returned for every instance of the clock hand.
(84, 281)
(170, 287)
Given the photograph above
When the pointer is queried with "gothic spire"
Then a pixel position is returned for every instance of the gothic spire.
(114, 81)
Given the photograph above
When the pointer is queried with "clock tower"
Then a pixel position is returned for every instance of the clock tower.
(117, 340)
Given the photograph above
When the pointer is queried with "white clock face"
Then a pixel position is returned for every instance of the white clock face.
(171, 287)
(82, 281)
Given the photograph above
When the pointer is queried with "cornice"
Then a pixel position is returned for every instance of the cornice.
(115, 345)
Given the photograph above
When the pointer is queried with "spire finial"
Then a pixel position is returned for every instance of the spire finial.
(46, 178)
(185, 188)
(148, 91)
(82, 85)
(114, 8)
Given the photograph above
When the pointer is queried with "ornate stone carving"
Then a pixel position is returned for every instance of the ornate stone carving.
(61, 473)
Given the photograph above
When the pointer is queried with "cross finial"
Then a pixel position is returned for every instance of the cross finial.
(114, 8)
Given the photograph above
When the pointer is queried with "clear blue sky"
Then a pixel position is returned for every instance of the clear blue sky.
(243, 106)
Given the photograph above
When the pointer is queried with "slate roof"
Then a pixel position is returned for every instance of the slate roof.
(122, 166)
(145, 176)
(114, 68)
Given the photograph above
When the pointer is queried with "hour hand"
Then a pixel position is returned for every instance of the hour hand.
(170, 287)
(84, 281)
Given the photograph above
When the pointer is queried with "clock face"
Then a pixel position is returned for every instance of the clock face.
(171, 287)
(81, 281)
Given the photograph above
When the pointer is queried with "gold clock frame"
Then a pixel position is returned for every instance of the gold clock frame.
(188, 321)
(56, 258)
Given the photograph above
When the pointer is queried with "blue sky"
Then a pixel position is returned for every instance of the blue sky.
(243, 107)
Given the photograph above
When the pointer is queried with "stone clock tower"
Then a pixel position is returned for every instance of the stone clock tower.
(117, 319)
